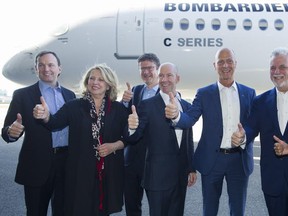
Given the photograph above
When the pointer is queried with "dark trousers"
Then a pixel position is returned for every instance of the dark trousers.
(278, 205)
(228, 166)
(37, 198)
(133, 191)
(169, 202)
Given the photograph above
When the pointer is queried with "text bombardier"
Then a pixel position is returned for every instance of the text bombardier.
(226, 7)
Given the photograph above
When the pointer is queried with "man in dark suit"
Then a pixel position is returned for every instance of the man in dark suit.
(43, 154)
(222, 106)
(148, 64)
(269, 119)
(168, 165)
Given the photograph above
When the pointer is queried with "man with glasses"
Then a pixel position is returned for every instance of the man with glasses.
(148, 65)
(269, 116)
(222, 105)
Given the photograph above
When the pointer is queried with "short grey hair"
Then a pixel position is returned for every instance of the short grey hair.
(279, 51)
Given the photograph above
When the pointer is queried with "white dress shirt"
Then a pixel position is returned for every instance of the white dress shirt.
(282, 110)
(230, 106)
(166, 100)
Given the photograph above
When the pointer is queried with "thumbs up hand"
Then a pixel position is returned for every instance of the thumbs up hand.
(41, 111)
(16, 128)
(238, 136)
(171, 109)
(133, 120)
(280, 147)
(128, 94)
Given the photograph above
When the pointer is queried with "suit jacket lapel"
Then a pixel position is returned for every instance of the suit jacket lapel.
(242, 101)
(138, 91)
(35, 93)
(160, 104)
(215, 96)
(142, 92)
(272, 107)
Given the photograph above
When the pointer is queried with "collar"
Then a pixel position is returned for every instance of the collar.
(166, 98)
(221, 87)
(44, 86)
(280, 93)
(155, 88)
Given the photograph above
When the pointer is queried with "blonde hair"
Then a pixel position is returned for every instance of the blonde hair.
(109, 77)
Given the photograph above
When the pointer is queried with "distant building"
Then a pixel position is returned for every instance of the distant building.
(4, 98)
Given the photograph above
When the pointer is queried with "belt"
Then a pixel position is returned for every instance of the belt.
(57, 150)
(230, 150)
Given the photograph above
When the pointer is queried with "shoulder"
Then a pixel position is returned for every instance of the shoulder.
(119, 108)
(76, 102)
(208, 87)
(266, 94)
(24, 91)
(184, 101)
(68, 91)
(119, 105)
(244, 87)
(138, 87)
(206, 91)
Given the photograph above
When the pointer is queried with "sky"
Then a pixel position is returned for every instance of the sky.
(23, 23)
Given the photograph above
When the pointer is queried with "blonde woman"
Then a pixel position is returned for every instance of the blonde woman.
(95, 164)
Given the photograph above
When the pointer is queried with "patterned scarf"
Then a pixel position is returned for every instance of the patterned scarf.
(97, 124)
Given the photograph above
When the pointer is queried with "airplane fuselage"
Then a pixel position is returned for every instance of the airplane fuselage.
(187, 34)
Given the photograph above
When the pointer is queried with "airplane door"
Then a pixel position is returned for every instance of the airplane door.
(129, 33)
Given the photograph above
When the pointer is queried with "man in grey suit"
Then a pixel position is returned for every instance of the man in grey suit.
(41, 165)
(222, 105)
(168, 167)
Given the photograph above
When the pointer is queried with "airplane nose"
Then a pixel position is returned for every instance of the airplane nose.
(18, 69)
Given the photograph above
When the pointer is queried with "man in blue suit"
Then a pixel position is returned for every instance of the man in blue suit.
(168, 167)
(269, 119)
(222, 106)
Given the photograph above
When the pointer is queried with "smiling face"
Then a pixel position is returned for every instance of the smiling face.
(96, 84)
(279, 72)
(225, 65)
(148, 71)
(168, 78)
(47, 69)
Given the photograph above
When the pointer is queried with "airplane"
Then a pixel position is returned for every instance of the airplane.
(187, 34)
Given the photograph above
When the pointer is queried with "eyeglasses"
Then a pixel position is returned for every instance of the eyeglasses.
(280, 68)
(149, 68)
